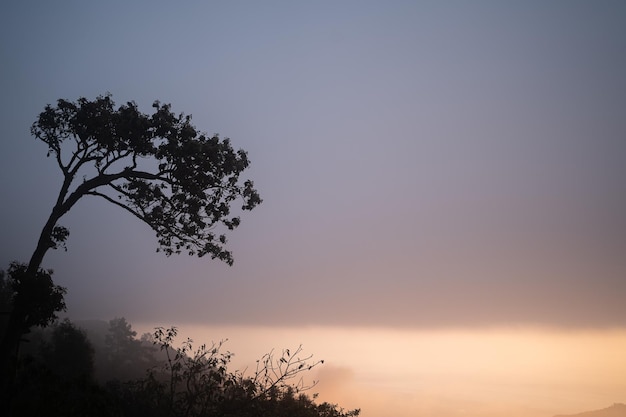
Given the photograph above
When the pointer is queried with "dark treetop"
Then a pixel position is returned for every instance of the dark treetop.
(159, 167)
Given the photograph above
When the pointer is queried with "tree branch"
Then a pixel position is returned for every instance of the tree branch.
(121, 155)
(119, 204)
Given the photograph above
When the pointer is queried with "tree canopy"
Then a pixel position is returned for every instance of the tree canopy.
(158, 167)
(34, 299)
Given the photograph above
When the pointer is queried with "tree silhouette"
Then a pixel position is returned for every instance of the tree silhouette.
(125, 356)
(69, 353)
(36, 300)
(26, 301)
(158, 167)
(56, 376)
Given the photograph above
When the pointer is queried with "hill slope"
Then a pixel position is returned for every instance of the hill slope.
(616, 410)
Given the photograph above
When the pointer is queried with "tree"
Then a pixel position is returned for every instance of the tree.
(27, 300)
(33, 298)
(69, 353)
(56, 376)
(158, 167)
(126, 357)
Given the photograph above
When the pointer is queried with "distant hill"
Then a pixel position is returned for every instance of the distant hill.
(616, 410)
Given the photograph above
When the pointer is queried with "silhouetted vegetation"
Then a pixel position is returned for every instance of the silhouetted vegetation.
(182, 183)
(57, 378)
(125, 357)
(27, 300)
(69, 354)
(159, 168)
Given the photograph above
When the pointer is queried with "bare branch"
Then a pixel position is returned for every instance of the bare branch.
(273, 373)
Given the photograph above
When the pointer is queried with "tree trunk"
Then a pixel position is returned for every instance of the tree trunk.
(15, 326)
(9, 347)
(43, 245)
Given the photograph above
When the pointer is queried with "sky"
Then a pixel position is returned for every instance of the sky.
(442, 179)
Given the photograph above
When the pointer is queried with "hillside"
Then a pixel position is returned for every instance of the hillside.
(616, 410)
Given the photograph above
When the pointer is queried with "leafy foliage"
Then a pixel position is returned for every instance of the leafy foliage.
(27, 299)
(35, 299)
(159, 167)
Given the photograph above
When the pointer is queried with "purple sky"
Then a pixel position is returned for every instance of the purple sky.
(423, 164)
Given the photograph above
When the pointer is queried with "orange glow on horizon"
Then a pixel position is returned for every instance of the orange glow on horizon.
(445, 373)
